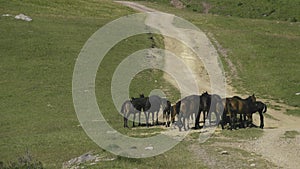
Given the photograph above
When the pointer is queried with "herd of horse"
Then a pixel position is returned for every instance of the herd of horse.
(225, 110)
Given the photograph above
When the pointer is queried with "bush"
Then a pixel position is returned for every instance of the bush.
(24, 162)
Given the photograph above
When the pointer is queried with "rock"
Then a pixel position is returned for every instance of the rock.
(6, 15)
(111, 132)
(149, 148)
(251, 160)
(177, 4)
(252, 165)
(75, 162)
(23, 17)
(224, 153)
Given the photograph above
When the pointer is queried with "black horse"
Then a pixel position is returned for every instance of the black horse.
(261, 108)
(210, 104)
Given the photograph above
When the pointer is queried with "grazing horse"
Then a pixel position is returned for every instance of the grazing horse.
(209, 104)
(153, 105)
(261, 108)
(188, 107)
(236, 105)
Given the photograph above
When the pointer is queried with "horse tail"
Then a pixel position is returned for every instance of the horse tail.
(265, 108)
(123, 110)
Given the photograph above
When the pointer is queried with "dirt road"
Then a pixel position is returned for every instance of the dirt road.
(273, 146)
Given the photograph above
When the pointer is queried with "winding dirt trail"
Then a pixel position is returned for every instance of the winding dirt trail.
(273, 146)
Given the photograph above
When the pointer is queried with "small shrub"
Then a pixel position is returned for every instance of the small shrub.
(24, 162)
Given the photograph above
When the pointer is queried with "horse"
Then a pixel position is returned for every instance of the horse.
(153, 105)
(226, 116)
(261, 108)
(127, 109)
(188, 107)
(209, 104)
(236, 105)
(140, 104)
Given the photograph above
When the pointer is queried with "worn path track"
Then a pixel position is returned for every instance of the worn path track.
(284, 152)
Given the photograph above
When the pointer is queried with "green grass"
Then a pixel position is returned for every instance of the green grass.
(294, 112)
(264, 52)
(143, 82)
(286, 10)
(291, 134)
(37, 62)
(177, 157)
(243, 134)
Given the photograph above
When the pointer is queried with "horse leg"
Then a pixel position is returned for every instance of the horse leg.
(197, 126)
(125, 122)
(133, 120)
(188, 122)
(242, 122)
(167, 120)
(153, 118)
(232, 120)
(261, 119)
(204, 117)
(223, 121)
(147, 118)
(209, 116)
(126, 115)
(157, 117)
(179, 122)
(139, 118)
(184, 125)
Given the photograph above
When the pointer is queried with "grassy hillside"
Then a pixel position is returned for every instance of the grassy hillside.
(264, 52)
(38, 57)
(37, 61)
(285, 10)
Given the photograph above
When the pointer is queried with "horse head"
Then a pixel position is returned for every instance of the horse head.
(252, 98)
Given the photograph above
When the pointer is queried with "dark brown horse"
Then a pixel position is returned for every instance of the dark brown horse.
(236, 105)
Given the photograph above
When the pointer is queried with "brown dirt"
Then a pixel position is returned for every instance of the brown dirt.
(272, 146)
